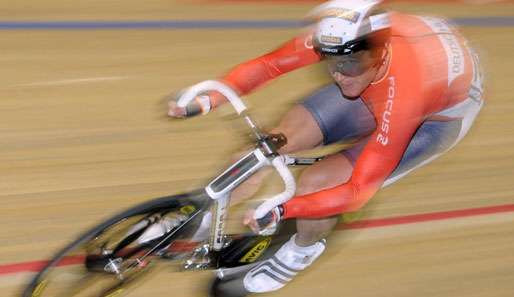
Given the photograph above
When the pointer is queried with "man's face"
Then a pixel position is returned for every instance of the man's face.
(353, 73)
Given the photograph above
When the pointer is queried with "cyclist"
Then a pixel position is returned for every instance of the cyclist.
(406, 89)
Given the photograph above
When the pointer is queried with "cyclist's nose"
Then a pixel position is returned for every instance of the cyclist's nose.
(338, 77)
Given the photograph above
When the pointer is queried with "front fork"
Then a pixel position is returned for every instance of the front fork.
(218, 227)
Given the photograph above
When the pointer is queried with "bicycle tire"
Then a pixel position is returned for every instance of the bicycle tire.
(196, 202)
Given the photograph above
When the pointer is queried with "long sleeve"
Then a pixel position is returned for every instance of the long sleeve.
(246, 77)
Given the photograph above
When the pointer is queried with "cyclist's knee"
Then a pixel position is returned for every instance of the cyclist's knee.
(330, 172)
(301, 130)
(249, 187)
(311, 183)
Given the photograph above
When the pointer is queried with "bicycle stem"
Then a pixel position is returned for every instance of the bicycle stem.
(255, 129)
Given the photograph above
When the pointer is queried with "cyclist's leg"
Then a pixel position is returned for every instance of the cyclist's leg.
(330, 172)
(323, 117)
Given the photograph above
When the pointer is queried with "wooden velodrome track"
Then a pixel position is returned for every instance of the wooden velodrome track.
(83, 135)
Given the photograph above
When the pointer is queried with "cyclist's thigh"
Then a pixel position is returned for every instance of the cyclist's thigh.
(338, 118)
(431, 140)
(325, 117)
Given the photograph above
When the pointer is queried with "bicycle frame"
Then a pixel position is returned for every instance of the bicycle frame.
(265, 154)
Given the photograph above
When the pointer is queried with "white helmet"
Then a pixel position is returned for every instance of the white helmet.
(345, 26)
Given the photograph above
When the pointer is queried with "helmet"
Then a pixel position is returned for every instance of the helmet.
(346, 27)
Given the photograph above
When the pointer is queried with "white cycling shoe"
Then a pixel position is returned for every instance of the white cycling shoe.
(276, 272)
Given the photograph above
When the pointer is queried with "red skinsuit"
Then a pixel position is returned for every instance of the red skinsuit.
(427, 73)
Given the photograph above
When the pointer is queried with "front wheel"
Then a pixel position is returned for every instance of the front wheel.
(103, 260)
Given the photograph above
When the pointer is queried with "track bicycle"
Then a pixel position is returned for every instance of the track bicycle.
(104, 260)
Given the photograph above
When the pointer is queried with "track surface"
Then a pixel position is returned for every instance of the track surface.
(84, 135)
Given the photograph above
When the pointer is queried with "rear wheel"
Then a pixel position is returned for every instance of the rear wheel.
(103, 260)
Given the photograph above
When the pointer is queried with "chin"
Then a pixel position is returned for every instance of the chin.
(349, 91)
(348, 94)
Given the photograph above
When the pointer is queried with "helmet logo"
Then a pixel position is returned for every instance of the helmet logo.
(329, 50)
(342, 13)
(331, 39)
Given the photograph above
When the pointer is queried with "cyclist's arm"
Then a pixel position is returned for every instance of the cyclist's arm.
(377, 161)
(247, 76)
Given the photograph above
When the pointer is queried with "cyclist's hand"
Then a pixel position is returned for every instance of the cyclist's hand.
(266, 225)
(199, 105)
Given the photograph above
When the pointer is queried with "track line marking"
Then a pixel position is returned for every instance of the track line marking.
(71, 81)
(485, 21)
(35, 266)
(427, 217)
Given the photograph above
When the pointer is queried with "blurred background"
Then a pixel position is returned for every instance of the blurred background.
(83, 134)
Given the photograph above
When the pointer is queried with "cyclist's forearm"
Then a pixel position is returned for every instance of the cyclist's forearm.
(324, 203)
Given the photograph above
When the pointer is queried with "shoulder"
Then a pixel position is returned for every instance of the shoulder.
(411, 26)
